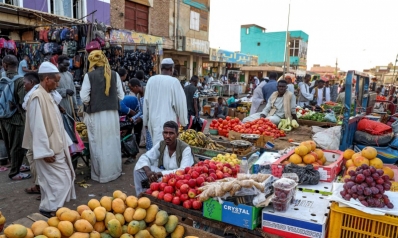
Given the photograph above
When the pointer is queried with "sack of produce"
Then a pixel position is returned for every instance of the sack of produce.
(373, 127)
(364, 138)
(307, 174)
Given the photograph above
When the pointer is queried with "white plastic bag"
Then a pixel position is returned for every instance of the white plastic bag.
(328, 139)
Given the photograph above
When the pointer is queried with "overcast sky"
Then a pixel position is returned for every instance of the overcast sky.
(360, 33)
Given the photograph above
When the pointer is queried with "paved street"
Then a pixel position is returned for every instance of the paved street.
(15, 203)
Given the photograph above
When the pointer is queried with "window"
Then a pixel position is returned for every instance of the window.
(294, 47)
(247, 31)
(79, 9)
(136, 17)
(18, 3)
(61, 7)
(194, 22)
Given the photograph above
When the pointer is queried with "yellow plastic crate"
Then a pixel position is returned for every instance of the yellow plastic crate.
(347, 222)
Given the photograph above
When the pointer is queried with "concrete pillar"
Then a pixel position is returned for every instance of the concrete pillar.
(219, 70)
(160, 58)
(199, 64)
(190, 66)
(246, 77)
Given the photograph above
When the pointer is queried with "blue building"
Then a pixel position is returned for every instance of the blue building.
(270, 46)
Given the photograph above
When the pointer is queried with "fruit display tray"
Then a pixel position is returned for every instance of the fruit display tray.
(328, 172)
(229, 149)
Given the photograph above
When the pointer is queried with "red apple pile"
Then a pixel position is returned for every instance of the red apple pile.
(181, 187)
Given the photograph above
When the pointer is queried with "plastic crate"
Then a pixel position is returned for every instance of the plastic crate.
(348, 222)
(328, 172)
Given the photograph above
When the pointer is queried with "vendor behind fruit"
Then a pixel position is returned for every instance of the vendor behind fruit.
(164, 158)
(281, 105)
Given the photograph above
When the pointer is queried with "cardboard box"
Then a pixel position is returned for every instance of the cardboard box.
(233, 135)
(239, 215)
(328, 172)
(306, 217)
(240, 115)
(231, 112)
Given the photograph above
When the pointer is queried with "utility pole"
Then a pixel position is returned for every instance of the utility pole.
(335, 70)
(286, 45)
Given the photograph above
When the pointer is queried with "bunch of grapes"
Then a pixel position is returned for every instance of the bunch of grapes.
(368, 184)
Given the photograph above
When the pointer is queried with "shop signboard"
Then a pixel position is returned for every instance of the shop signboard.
(130, 37)
(302, 53)
(196, 45)
(218, 55)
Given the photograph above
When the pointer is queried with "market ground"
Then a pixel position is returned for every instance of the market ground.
(15, 203)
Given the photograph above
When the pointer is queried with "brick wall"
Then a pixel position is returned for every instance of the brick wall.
(117, 7)
(160, 17)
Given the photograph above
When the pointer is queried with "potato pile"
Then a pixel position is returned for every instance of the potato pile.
(112, 217)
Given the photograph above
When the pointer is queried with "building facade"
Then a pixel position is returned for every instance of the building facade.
(270, 47)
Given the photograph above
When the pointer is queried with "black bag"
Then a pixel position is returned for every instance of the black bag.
(306, 174)
(129, 145)
(367, 139)
(69, 124)
(197, 124)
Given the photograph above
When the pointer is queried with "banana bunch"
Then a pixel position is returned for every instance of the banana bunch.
(81, 129)
(287, 124)
(199, 139)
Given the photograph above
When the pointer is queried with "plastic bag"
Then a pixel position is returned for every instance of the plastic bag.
(306, 174)
(69, 125)
(373, 127)
(197, 123)
(328, 139)
(129, 145)
(330, 117)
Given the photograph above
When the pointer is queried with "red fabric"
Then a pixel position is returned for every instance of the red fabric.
(373, 127)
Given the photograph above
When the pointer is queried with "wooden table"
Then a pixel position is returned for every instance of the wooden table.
(197, 216)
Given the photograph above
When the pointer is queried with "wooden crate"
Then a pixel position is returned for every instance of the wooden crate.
(260, 143)
(315, 123)
(213, 153)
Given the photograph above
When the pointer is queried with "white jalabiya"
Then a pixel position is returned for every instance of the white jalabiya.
(164, 101)
(151, 159)
(56, 179)
(104, 137)
(258, 97)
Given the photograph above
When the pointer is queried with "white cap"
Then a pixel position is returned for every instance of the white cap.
(47, 67)
(167, 61)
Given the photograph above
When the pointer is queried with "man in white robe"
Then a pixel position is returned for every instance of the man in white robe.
(305, 97)
(164, 101)
(102, 117)
(258, 97)
(46, 137)
(164, 158)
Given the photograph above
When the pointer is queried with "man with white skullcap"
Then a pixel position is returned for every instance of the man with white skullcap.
(46, 137)
(164, 101)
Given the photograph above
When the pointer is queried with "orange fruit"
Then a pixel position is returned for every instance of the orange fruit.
(301, 150)
(295, 159)
(349, 163)
(388, 171)
(307, 144)
(348, 154)
(369, 152)
(358, 161)
(309, 159)
(313, 145)
(376, 162)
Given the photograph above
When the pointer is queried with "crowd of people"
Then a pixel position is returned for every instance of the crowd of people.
(33, 121)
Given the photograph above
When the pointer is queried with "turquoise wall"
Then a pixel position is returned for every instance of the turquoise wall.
(268, 46)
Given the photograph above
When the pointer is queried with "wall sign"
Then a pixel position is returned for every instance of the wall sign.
(195, 45)
(129, 37)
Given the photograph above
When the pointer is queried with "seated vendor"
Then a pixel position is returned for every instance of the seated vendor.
(165, 157)
(220, 110)
(232, 101)
(281, 105)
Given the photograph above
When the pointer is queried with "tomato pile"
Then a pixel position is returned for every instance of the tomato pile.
(181, 187)
(224, 126)
(260, 126)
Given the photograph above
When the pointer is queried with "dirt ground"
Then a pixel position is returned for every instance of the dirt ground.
(15, 203)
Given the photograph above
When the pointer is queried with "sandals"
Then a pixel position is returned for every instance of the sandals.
(21, 176)
(24, 168)
(3, 168)
(33, 190)
(47, 214)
